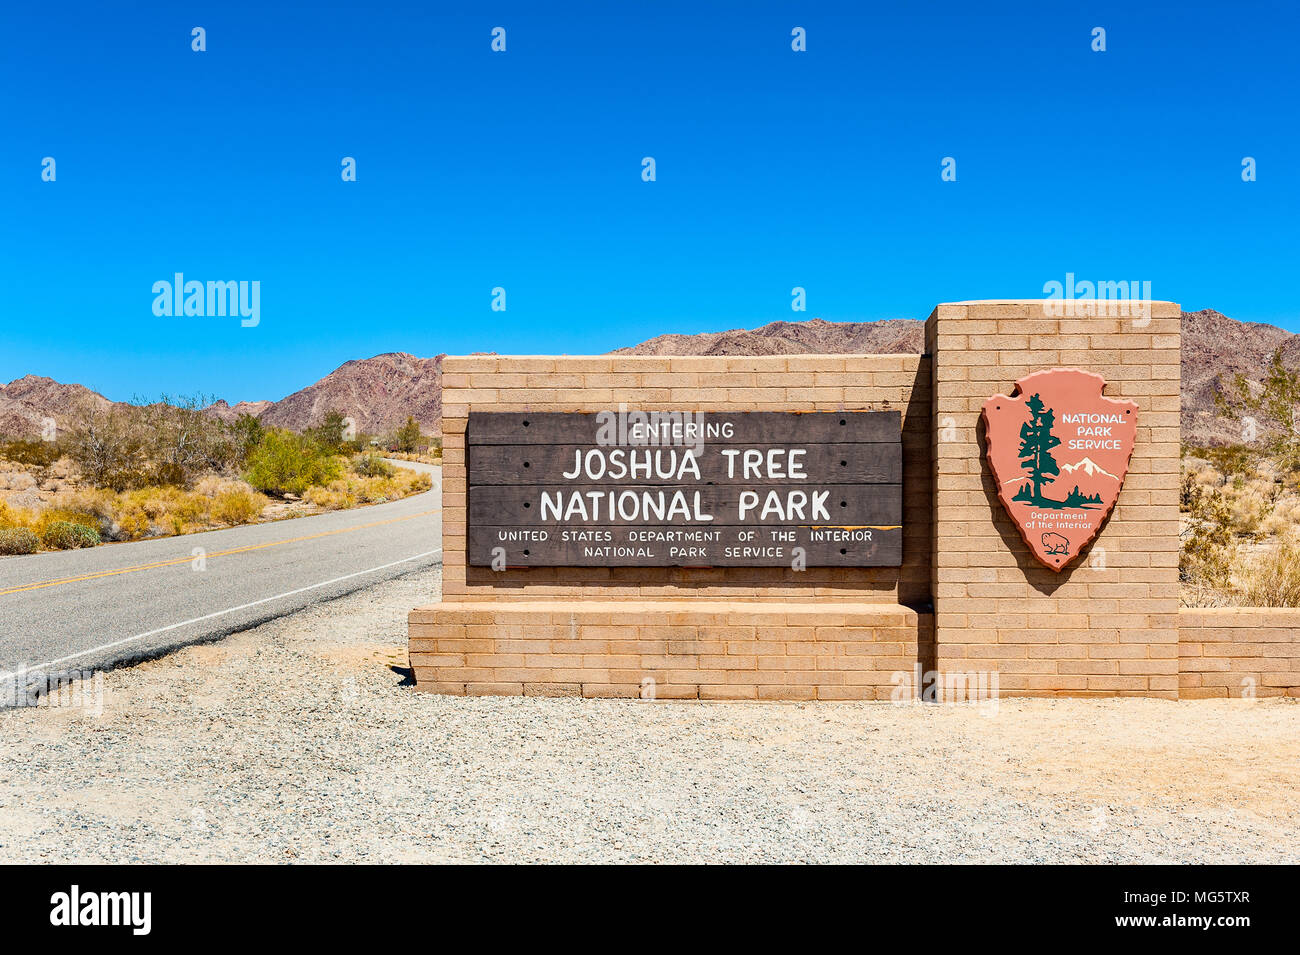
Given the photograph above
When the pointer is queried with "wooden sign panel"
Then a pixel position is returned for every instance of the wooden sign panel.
(690, 489)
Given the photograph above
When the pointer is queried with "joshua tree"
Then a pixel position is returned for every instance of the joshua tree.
(1036, 443)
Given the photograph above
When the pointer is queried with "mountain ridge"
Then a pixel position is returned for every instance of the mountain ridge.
(379, 392)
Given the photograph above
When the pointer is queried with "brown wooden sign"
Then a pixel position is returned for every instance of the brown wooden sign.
(667, 488)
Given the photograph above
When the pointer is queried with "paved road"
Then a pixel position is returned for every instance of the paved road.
(88, 609)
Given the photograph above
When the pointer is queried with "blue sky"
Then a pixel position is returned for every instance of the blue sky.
(522, 170)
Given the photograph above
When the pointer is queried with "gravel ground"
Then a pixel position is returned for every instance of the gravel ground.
(297, 742)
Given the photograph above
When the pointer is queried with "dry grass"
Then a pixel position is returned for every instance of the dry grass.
(1241, 531)
(145, 512)
(356, 489)
(1272, 578)
(430, 458)
(164, 511)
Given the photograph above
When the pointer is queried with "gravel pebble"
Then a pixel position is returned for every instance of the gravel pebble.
(297, 741)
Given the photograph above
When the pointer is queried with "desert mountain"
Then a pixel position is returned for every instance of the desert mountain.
(1213, 346)
(228, 412)
(26, 402)
(813, 337)
(378, 393)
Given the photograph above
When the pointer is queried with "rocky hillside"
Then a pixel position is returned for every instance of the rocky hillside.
(377, 393)
(228, 412)
(812, 337)
(1213, 346)
(26, 402)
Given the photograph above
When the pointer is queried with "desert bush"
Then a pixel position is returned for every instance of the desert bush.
(64, 535)
(94, 507)
(172, 510)
(11, 516)
(18, 540)
(1208, 547)
(413, 482)
(237, 507)
(1274, 406)
(246, 432)
(42, 521)
(331, 498)
(1231, 459)
(1284, 518)
(109, 445)
(408, 437)
(170, 441)
(132, 524)
(185, 441)
(34, 454)
(1248, 505)
(335, 433)
(372, 465)
(287, 463)
(1273, 578)
(354, 489)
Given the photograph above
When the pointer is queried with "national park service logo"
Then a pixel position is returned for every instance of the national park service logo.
(1059, 451)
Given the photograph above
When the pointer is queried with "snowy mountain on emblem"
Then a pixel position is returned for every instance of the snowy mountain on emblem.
(1089, 467)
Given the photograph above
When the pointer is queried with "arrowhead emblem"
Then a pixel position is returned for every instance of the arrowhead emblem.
(1059, 452)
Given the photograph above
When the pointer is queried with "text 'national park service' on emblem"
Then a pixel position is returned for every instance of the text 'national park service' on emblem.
(1059, 451)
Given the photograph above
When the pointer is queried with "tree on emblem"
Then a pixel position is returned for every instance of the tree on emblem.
(1036, 443)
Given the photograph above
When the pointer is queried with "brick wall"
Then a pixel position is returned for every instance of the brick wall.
(1107, 625)
(1102, 626)
(668, 649)
(698, 633)
(1239, 651)
(766, 383)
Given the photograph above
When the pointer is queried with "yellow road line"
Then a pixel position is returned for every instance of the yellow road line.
(223, 553)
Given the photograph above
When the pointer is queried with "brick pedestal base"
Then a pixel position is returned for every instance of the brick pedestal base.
(670, 649)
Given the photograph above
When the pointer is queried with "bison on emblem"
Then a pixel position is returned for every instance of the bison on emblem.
(1055, 544)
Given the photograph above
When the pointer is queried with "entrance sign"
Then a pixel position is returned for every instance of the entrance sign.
(690, 489)
(1059, 451)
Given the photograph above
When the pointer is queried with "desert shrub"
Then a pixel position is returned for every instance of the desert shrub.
(354, 489)
(246, 432)
(132, 524)
(335, 433)
(18, 540)
(407, 438)
(333, 498)
(64, 535)
(1208, 547)
(109, 445)
(37, 454)
(94, 507)
(184, 441)
(13, 516)
(1231, 459)
(42, 521)
(237, 507)
(1273, 405)
(372, 465)
(1284, 517)
(287, 463)
(1273, 579)
(415, 483)
(1248, 505)
(170, 510)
